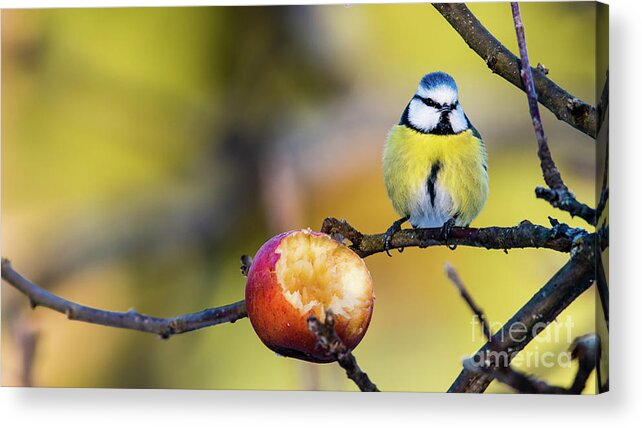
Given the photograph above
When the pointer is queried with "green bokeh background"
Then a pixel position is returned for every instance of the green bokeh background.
(145, 150)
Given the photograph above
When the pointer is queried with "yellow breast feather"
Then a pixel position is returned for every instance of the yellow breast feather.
(461, 177)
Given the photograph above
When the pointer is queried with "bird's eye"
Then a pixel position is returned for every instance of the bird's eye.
(429, 102)
(453, 106)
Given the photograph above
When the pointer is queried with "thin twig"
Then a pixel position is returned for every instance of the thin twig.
(246, 263)
(557, 193)
(565, 200)
(164, 327)
(551, 174)
(586, 350)
(502, 61)
(456, 280)
(328, 340)
(524, 235)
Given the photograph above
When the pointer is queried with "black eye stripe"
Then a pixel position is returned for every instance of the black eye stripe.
(431, 103)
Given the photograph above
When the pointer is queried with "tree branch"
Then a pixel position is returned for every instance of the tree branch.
(503, 62)
(585, 349)
(328, 339)
(573, 279)
(525, 235)
(164, 327)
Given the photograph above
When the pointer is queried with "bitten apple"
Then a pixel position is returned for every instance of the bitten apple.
(302, 273)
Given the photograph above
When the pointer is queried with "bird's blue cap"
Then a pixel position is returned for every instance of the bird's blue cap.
(436, 79)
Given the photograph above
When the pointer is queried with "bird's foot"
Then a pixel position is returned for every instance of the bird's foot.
(445, 233)
(387, 240)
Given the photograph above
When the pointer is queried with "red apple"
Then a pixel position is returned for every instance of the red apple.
(302, 273)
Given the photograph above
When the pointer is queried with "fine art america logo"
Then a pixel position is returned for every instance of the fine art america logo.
(518, 333)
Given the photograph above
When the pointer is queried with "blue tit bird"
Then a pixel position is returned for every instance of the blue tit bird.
(435, 161)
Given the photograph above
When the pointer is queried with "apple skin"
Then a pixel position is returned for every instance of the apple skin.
(281, 326)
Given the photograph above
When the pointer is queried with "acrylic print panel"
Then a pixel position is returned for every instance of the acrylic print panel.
(146, 150)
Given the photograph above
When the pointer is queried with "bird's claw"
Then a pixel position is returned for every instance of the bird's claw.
(387, 239)
(445, 233)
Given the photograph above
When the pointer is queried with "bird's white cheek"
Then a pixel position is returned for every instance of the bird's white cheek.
(458, 120)
(422, 117)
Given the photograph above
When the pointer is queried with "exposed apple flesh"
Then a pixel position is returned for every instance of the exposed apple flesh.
(302, 273)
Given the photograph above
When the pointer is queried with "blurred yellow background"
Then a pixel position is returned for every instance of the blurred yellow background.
(145, 150)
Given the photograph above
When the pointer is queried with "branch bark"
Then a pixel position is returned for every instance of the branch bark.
(164, 327)
(503, 62)
(525, 235)
(565, 200)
